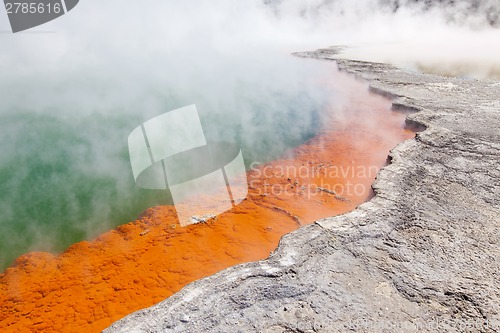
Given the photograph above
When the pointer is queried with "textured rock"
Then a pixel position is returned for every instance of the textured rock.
(422, 254)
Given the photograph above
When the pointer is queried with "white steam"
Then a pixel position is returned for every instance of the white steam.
(84, 81)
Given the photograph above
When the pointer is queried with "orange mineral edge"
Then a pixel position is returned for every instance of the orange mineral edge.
(94, 283)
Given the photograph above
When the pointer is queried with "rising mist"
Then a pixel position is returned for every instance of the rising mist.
(72, 90)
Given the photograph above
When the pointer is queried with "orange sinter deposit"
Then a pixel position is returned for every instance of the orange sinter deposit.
(94, 283)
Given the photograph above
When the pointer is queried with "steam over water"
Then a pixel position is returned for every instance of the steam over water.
(65, 173)
(71, 92)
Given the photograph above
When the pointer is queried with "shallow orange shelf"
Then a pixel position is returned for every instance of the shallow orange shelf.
(92, 284)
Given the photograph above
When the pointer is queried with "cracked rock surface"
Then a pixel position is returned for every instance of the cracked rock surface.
(422, 255)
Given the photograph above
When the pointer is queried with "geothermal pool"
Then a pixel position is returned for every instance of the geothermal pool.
(324, 169)
(65, 173)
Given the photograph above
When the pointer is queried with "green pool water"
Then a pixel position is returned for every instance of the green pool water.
(65, 174)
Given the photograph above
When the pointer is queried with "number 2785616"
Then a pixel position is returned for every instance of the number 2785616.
(32, 7)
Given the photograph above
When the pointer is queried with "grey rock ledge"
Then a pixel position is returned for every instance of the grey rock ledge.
(422, 255)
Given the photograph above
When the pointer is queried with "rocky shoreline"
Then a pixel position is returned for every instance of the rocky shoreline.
(422, 255)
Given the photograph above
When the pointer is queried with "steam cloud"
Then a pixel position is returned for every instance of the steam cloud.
(73, 89)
